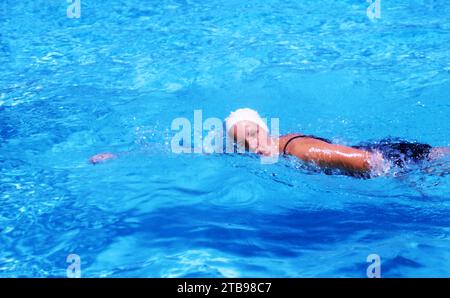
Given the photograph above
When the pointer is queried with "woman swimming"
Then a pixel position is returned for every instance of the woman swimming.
(247, 129)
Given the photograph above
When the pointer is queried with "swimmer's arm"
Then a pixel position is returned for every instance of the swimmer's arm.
(102, 157)
(106, 156)
(333, 156)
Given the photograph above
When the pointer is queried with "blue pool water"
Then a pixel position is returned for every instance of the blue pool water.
(114, 79)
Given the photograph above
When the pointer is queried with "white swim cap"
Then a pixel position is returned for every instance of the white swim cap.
(245, 114)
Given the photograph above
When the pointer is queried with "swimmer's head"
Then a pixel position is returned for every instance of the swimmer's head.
(247, 128)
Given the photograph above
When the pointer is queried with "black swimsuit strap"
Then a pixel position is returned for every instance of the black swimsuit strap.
(303, 136)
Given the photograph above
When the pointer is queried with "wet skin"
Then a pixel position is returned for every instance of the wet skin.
(328, 156)
(308, 149)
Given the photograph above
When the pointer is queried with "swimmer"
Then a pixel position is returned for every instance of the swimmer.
(247, 129)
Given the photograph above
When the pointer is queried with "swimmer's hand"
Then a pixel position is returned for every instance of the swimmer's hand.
(102, 157)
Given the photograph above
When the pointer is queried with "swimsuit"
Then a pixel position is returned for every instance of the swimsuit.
(398, 151)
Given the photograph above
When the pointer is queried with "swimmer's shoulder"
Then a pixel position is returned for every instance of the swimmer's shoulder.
(287, 139)
(293, 136)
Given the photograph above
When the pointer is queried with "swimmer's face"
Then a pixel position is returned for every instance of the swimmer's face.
(251, 136)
